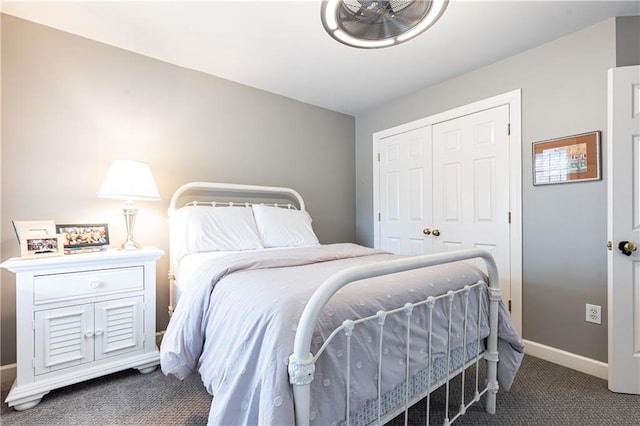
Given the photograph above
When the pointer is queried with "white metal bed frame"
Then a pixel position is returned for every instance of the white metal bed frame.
(302, 361)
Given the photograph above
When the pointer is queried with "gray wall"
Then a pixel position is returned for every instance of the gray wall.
(564, 92)
(628, 40)
(70, 106)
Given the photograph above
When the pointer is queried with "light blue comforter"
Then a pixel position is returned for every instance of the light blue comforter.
(236, 320)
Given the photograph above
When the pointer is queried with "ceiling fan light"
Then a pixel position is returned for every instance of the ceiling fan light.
(328, 15)
(373, 24)
(437, 9)
(355, 42)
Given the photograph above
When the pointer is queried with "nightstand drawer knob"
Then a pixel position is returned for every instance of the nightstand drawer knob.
(88, 333)
(95, 284)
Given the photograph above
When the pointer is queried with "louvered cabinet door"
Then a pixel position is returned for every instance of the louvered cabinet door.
(118, 327)
(63, 338)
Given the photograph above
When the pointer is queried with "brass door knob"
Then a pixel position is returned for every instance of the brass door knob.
(426, 231)
(627, 247)
(436, 232)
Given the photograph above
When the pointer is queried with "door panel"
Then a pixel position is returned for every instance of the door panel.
(484, 190)
(416, 198)
(393, 197)
(392, 244)
(451, 193)
(451, 245)
(624, 225)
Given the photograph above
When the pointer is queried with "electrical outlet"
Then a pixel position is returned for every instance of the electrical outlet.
(594, 314)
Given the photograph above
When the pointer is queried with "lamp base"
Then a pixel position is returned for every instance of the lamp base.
(130, 245)
(130, 211)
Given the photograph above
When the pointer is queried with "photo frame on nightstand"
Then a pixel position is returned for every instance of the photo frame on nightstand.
(42, 228)
(84, 238)
(33, 246)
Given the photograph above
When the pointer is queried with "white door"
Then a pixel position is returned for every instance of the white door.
(405, 187)
(624, 228)
(471, 187)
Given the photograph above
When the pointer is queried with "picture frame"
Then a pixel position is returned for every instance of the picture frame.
(568, 159)
(35, 246)
(23, 228)
(84, 236)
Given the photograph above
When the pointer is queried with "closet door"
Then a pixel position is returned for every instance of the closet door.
(405, 186)
(471, 186)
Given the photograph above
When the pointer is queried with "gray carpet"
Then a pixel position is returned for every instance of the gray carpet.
(543, 394)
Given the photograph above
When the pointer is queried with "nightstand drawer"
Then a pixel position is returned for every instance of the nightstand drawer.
(49, 288)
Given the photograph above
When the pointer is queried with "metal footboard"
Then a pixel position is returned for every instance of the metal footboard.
(302, 361)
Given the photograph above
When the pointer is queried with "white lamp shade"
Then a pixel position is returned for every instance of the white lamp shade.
(129, 180)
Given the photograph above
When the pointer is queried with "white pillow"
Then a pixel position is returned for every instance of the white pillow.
(281, 227)
(196, 229)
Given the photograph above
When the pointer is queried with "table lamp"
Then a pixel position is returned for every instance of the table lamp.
(129, 180)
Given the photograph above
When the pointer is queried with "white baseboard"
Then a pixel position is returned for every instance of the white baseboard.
(567, 359)
(7, 375)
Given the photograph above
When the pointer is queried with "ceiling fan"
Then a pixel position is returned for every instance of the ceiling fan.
(374, 24)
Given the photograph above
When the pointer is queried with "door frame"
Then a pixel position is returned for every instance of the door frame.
(513, 99)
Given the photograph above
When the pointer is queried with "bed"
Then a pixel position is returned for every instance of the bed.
(285, 330)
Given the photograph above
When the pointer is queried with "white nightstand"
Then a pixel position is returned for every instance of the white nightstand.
(82, 316)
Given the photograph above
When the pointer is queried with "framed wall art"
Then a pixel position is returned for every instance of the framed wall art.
(568, 159)
(83, 238)
(34, 246)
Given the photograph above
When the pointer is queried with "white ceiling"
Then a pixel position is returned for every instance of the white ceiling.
(281, 46)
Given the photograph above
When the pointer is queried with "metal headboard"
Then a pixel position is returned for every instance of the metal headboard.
(219, 188)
